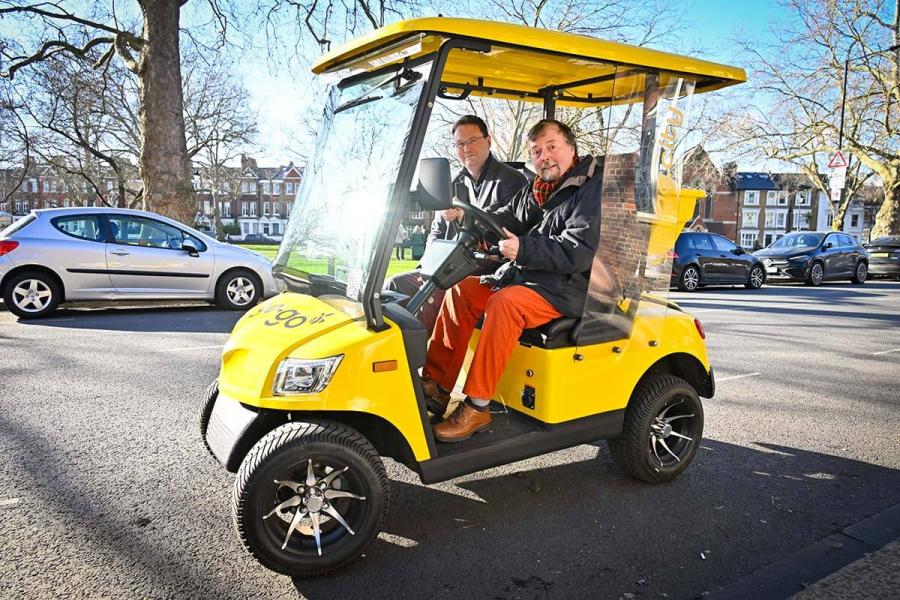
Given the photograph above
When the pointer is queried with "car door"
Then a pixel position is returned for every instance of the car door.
(80, 256)
(735, 266)
(849, 254)
(145, 258)
(832, 256)
(707, 258)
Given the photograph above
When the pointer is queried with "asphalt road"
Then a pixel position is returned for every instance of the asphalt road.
(107, 491)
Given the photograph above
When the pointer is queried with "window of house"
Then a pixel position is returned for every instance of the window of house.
(275, 208)
(227, 211)
(275, 228)
(253, 209)
(288, 206)
(207, 207)
(277, 190)
(768, 239)
(265, 187)
(750, 218)
(289, 187)
(780, 219)
(770, 197)
(803, 198)
(770, 219)
(854, 220)
(244, 228)
(751, 198)
(265, 208)
(245, 187)
(34, 185)
(749, 238)
(802, 219)
(245, 209)
(265, 229)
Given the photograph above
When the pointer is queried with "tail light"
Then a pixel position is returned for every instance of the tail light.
(699, 328)
(7, 246)
(672, 255)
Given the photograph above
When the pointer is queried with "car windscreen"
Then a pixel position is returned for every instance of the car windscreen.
(18, 225)
(805, 240)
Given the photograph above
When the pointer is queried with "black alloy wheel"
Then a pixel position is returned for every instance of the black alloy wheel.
(662, 431)
(816, 274)
(309, 498)
(757, 278)
(690, 279)
(860, 274)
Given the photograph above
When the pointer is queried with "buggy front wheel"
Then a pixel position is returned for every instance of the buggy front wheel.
(309, 497)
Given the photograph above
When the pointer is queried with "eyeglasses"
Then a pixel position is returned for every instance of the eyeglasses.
(468, 142)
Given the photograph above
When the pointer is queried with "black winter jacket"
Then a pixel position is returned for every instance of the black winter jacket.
(557, 243)
(499, 184)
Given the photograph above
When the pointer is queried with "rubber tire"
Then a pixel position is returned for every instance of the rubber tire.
(749, 285)
(50, 282)
(222, 297)
(809, 278)
(260, 467)
(631, 450)
(681, 284)
(856, 279)
(209, 402)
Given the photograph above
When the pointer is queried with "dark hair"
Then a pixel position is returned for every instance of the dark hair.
(564, 129)
(471, 120)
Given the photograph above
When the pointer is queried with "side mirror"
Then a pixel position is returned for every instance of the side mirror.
(433, 189)
(827, 246)
(738, 251)
(189, 247)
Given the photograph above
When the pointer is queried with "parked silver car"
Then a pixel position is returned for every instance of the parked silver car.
(75, 254)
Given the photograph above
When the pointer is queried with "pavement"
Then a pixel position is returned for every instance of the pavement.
(107, 490)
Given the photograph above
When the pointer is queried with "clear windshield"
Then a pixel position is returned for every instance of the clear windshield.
(330, 239)
(805, 240)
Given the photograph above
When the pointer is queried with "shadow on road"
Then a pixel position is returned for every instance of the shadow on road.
(566, 530)
(192, 319)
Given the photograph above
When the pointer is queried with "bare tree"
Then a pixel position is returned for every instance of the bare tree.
(795, 113)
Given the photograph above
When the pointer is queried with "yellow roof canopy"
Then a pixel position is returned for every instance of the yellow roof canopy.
(525, 62)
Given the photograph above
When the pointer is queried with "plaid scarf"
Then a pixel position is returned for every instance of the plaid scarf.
(543, 189)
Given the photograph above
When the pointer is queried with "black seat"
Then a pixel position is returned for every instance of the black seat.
(555, 334)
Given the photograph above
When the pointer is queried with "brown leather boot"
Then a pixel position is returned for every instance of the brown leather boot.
(436, 399)
(462, 423)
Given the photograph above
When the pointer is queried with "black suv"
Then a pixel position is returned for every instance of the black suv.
(815, 257)
(709, 259)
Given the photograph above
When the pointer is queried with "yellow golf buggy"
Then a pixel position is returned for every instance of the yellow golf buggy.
(319, 382)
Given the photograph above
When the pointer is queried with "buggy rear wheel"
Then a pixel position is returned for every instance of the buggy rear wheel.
(662, 431)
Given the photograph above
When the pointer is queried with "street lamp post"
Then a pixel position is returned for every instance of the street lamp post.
(843, 107)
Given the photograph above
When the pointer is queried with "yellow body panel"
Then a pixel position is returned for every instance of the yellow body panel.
(266, 335)
(603, 380)
(576, 58)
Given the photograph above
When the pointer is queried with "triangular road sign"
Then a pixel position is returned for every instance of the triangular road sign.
(837, 161)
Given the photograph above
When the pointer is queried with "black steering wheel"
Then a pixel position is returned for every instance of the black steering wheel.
(476, 215)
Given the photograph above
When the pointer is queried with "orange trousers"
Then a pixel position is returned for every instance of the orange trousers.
(506, 313)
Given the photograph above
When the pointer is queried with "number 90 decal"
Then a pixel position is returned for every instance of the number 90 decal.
(287, 317)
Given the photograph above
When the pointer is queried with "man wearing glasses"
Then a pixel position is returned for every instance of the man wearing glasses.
(490, 183)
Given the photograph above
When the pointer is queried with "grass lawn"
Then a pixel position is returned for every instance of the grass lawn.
(270, 250)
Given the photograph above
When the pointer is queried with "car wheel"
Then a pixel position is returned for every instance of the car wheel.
(862, 271)
(238, 290)
(32, 295)
(212, 393)
(756, 279)
(662, 430)
(690, 279)
(816, 274)
(309, 498)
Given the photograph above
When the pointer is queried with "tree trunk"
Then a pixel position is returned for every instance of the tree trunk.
(164, 164)
(887, 221)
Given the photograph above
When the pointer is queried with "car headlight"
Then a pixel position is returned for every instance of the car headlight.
(298, 376)
(800, 259)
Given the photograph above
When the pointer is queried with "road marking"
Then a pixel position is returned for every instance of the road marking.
(399, 540)
(733, 377)
(886, 352)
(190, 348)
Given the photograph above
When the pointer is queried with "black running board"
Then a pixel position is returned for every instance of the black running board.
(548, 438)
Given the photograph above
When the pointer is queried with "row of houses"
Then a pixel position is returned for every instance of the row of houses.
(756, 208)
(753, 209)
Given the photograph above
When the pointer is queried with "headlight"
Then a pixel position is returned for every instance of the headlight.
(802, 258)
(298, 376)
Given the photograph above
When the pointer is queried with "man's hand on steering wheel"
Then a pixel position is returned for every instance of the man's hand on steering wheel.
(509, 246)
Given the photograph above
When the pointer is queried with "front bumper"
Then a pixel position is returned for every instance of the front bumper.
(785, 271)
